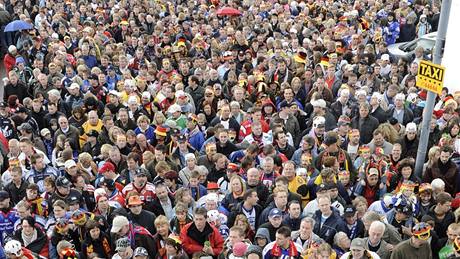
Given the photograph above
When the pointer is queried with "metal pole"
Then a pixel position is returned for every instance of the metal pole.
(428, 111)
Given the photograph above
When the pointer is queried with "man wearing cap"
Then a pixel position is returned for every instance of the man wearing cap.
(113, 194)
(6, 124)
(65, 192)
(401, 217)
(376, 109)
(332, 148)
(399, 111)
(23, 113)
(140, 216)
(27, 132)
(417, 246)
(74, 98)
(135, 235)
(140, 253)
(185, 104)
(24, 72)
(359, 251)
(145, 189)
(183, 148)
(123, 249)
(352, 226)
(92, 145)
(275, 221)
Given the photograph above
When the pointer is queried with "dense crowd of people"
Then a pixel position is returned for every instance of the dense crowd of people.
(234, 129)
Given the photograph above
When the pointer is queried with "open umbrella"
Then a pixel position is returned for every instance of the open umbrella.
(18, 25)
(228, 11)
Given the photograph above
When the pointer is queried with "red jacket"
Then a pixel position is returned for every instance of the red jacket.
(192, 246)
(9, 62)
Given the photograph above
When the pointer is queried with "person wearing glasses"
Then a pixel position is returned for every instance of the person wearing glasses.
(417, 246)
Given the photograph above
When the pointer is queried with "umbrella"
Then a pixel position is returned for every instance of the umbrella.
(18, 25)
(228, 11)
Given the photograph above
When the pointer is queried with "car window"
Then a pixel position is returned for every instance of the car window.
(426, 44)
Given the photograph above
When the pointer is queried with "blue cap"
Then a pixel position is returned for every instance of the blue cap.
(275, 213)
(20, 60)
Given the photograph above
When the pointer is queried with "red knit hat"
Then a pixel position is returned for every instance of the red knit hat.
(108, 166)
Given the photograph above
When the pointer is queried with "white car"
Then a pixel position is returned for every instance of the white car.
(406, 50)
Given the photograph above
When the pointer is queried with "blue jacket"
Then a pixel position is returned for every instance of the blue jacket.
(329, 228)
(7, 224)
(149, 133)
(198, 192)
(195, 138)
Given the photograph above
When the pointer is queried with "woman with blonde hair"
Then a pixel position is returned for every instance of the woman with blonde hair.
(433, 156)
(236, 191)
(389, 132)
(242, 221)
(162, 227)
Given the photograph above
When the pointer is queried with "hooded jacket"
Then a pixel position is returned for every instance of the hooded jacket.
(193, 240)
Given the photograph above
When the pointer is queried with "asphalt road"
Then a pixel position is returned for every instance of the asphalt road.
(2, 75)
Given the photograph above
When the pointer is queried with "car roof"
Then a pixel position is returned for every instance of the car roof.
(430, 36)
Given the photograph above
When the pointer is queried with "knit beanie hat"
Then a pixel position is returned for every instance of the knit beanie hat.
(254, 249)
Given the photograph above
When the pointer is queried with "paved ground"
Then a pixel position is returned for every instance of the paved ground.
(2, 75)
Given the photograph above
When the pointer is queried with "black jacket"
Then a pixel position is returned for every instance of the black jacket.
(101, 246)
(408, 147)
(367, 128)
(238, 209)
(262, 192)
(380, 115)
(17, 194)
(232, 124)
(407, 117)
(357, 231)
(156, 207)
(38, 245)
(144, 219)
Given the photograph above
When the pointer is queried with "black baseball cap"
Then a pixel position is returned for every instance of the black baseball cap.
(4, 195)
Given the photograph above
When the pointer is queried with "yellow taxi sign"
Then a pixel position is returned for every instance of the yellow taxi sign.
(430, 76)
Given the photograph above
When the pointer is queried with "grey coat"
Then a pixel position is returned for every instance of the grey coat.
(383, 252)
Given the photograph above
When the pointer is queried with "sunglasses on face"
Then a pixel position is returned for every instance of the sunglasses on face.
(423, 236)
